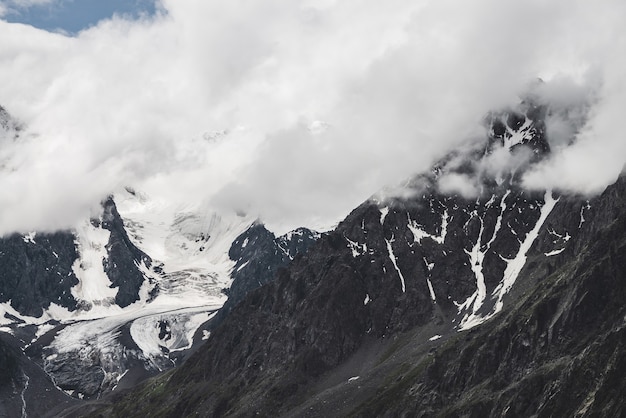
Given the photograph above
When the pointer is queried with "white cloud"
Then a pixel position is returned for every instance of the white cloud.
(398, 84)
(7, 6)
(461, 184)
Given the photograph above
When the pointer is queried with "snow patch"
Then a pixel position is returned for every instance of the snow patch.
(356, 248)
(30, 237)
(165, 333)
(431, 290)
(383, 214)
(94, 286)
(476, 258)
(434, 338)
(555, 252)
(519, 136)
(582, 214)
(419, 233)
(515, 265)
(394, 261)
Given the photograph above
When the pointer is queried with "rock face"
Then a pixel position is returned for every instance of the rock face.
(36, 270)
(47, 272)
(258, 254)
(505, 303)
(123, 261)
(557, 352)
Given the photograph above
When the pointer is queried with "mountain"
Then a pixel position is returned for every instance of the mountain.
(120, 297)
(94, 312)
(472, 297)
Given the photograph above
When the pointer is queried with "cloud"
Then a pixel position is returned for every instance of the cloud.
(461, 184)
(14, 6)
(320, 104)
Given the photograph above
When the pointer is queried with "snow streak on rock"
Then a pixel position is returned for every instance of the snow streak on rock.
(393, 259)
(419, 233)
(26, 381)
(383, 214)
(476, 258)
(515, 265)
(356, 248)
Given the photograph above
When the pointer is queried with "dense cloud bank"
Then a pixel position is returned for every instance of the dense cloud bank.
(298, 110)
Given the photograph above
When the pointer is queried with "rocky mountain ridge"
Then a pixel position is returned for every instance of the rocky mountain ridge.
(411, 307)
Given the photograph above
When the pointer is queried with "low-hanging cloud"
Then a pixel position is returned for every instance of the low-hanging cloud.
(317, 104)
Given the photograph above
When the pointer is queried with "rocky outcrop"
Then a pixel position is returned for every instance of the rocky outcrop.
(122, 266)
(36, 270)
(258, 254)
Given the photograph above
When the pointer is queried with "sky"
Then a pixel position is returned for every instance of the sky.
(71, 16)
(295, 111)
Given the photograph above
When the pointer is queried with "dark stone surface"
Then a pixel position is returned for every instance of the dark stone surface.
(33, 275)
(122, 264)
(258, 254)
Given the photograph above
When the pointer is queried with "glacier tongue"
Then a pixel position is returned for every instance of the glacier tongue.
(190, 242)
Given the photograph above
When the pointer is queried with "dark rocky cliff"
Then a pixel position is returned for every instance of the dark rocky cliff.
(36, 270)
(258, 254)
(122, 265)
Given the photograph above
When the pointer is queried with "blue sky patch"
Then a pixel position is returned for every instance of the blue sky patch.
(71, 16)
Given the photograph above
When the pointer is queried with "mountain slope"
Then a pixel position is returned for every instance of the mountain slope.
(306, 344)
(559, 351)
(397, 283)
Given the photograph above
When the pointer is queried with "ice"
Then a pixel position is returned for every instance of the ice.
(393, 259)
(182, 236)
(100, 338)
(181, 327)
(189, 242)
